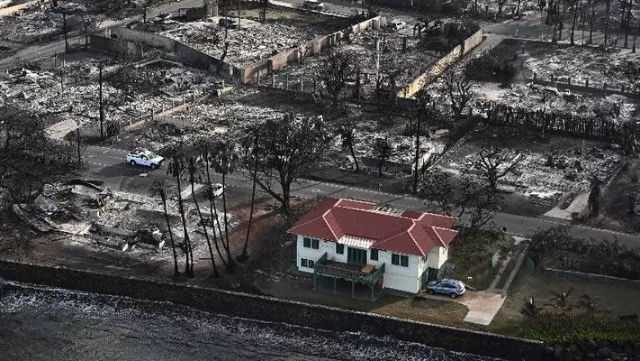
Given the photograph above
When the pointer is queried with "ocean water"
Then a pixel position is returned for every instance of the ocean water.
(42, 323)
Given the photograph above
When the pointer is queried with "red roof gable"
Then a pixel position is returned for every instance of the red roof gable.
(410, 233)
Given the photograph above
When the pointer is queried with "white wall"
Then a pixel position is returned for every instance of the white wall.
(437, 257)
(396, 277)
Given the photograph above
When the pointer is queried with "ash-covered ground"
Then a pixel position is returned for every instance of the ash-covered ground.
(40, 323)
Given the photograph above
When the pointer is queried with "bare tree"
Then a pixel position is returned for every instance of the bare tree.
(459, 90)
(495, 163)
(29, 159)
(252, 158)
(336, 70)
(606, 22)
(288, 147)
(595, 196)
(346, 132)
(382, 150)
(160, 188)
(501, 4)
(462, 198)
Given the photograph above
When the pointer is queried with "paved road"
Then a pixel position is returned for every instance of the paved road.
(108, 164)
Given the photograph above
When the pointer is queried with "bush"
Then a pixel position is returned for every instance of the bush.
(565, 328)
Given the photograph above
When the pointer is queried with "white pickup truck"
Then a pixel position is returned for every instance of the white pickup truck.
(145, 158)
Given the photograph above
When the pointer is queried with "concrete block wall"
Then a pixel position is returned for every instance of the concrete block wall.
(186, 53)
(441, 65)
(117, 47)
(316, 46)
(236, 304)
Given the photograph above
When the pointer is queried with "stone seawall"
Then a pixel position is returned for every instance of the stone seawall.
(276, 310)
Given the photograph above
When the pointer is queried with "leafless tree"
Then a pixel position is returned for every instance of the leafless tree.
(338, 68)
(459, 91)
(288, 146)
(595, 196)
(29, 159)
(382, 150)
(462, 198)
(495, 163)
(251, 157)
(500, 4)
(346, 132)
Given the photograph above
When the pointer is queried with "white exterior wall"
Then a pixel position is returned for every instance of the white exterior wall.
(437, 257)
(396, 277)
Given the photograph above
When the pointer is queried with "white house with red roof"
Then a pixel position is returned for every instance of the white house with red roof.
(355, 241)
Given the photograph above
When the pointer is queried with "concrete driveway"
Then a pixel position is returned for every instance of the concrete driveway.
(483, 306)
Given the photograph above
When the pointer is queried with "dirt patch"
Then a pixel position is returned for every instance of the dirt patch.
(613, 301)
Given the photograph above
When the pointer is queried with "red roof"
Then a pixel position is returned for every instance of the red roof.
(411, 232)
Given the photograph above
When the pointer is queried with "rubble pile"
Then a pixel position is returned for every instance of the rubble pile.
(403, 147)
(42, 23)
(536, 97)
(128, 93)
(582, 63)
(550, 175)
(404, 67)
(248, 44)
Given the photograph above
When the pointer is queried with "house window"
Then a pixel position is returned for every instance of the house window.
(404, 261)
(306, 242)
(315, 244)
(374, 255)
(311, 263)
(339, 248)
(398, 260)
(303, 262)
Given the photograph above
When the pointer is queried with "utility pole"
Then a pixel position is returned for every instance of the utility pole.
(62, 73)
(101, 107)
(64, 29)
(78, 141)
(420, 114)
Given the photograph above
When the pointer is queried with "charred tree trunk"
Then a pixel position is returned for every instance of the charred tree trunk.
(243, 256)
(188, 267)
(204, 226)
(606, 23)
(101, 115)
(230, 262)
(213, 214)
(163, 196)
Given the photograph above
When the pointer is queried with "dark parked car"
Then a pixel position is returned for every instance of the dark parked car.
(445, 286)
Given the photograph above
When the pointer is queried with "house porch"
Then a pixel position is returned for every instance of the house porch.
(354, 273)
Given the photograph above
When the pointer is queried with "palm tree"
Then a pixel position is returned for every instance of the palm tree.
(194, 168)
(159, 188)
(530, 308)
(205, 148)
(225, 161)
(176, 169)
(562, 301)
